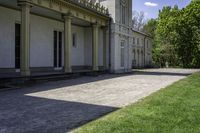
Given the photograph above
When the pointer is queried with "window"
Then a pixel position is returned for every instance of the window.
(134, 57)
(60, 49)
(133, 40)
(57, 49)
(138, 41)
(122, 53)
(134, 60)
(17, 45)
(123, 14)
(134, 54)
(142, 58)
(74, 40)
(138, 60)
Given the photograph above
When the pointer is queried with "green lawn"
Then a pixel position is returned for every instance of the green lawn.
(175, 109)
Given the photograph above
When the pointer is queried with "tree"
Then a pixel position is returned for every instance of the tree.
(150, 27)
(138, 20)
(165, 36)
(188, 39)
(177, 36)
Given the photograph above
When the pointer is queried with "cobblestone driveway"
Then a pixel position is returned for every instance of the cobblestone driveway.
(60, 106)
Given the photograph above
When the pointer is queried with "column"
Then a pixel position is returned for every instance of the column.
(25, 39)
(105, 45)
(68, 44)
(95, 46)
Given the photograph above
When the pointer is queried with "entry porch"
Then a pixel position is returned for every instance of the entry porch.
(51, 37)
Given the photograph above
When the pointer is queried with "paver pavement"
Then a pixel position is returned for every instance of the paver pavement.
(61, 106)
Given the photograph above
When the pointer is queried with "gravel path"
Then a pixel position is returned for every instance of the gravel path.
(60, 106)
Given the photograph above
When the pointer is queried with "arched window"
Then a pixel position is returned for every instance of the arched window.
(122, 53)
(133, 40)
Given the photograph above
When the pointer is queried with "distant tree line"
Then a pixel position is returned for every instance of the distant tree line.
(176, 36)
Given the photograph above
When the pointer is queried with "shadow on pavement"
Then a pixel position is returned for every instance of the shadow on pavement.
(24, 114)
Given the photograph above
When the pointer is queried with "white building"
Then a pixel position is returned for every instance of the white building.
(142, 50)
(65, 36)
(121, 34)
(40, 36)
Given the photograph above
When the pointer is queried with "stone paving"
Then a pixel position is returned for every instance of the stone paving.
(58, 107)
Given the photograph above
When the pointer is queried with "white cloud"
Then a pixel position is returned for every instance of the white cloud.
(150, 4)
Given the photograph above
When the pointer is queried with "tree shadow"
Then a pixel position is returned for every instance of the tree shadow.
(20, 113)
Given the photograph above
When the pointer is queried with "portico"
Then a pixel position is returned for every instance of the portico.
(74, 36)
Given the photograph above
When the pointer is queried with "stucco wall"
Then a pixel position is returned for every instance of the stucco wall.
(41, 41)
(78, 51)
(100, 52)
(88, 46)
(7, 36)
(42, 30)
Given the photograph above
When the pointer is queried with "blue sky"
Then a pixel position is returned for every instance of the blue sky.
(151, 7)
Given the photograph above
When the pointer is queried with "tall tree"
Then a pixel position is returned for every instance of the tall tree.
(150, 27)
(177, 35)
(166, 34)
(138, 20)
(188, 39)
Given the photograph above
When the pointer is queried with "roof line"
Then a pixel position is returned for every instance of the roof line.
(141, 33)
